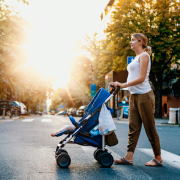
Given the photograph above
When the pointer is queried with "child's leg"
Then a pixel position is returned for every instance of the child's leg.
(64, 128)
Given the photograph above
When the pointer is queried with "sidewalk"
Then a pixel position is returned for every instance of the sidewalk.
(158, 121)
(7, 118)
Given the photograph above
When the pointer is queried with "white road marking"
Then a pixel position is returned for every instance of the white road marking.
(65, 120)
(46, 120)
(5, 120)
(27, 120)
(170, 158)
(92, 149)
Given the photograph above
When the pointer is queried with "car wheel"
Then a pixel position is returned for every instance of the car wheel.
(8, 113)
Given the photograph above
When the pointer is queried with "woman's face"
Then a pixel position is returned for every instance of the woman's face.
(134, 43)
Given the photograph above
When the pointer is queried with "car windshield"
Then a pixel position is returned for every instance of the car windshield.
(22, 105)
(17, 102)
(82, 107)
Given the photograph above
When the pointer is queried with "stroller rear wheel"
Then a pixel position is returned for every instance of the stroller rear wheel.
(96, 153)
(105, 159)
(63, 160)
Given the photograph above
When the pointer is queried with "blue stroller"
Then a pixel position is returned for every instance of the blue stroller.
(86, 134)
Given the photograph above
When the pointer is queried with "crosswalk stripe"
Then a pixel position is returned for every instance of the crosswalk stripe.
(46, 120)
(27, 120)
(170, 158)
(6, 120)
(92, 149)
(65, 120)
(142, 175)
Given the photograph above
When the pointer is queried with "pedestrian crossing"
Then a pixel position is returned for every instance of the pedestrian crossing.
(27, 120)
(31, 120)
(168, 158)
(46, 120)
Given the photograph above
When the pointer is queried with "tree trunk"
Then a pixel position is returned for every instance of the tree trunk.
(158, 95)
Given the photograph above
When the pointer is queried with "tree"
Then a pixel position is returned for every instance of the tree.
(159, 21)
(101, 59)
(19, 81)
(77, 91)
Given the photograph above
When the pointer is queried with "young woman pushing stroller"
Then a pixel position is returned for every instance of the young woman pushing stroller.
(142, 101)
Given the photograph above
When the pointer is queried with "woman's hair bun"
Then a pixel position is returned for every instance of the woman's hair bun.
(148, 49)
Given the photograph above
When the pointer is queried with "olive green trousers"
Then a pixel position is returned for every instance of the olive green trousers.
(141, 110)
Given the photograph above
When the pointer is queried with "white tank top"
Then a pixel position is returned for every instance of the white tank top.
(133, 73)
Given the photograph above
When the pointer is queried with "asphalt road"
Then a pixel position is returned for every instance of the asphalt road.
(27, 152)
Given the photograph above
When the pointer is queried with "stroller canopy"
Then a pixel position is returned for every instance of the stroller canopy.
(98, 100)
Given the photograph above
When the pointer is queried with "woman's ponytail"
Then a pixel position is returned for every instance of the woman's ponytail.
(148, 49)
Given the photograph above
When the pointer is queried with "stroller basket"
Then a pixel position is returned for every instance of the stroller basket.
(82, 133)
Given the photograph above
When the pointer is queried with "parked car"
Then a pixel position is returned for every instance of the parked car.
(72, 111)
(17, 106)
(61, 113)
(23, 108)
(10, 107)
(52, 112)
(69, 111)
(38, 112)
(81, 110)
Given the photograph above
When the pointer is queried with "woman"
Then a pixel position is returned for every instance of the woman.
(142, 101)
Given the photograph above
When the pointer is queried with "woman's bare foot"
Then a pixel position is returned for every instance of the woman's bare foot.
(128, 159)
(123, 161)
(157, 161)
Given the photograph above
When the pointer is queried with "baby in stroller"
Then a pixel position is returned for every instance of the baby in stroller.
(64, 128)
(93, 132)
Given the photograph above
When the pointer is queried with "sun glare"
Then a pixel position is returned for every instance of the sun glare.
(57, 26)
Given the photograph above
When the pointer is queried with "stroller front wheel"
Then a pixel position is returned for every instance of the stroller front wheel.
(63, 160)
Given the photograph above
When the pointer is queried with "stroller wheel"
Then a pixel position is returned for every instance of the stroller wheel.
(105, 159)
(96, 153)
(59, 151)
(63, 160)
(64, 151)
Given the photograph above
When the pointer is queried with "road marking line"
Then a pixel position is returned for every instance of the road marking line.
(27, 120)
(138, 171)
(92, 149)
(46, 120)
(65, 120)
(170, 158)
(5, 120)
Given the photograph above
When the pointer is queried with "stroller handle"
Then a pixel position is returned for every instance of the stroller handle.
(114, 90)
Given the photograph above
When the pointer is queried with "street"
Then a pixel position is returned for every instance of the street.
(27, 152)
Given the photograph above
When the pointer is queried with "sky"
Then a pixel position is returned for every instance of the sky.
(58, 24)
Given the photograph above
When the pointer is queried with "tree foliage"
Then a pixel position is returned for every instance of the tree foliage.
(159, 21)
(77, 91)
(18, 80)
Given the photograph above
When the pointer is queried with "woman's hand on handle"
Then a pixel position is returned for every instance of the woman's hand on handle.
(115, 84)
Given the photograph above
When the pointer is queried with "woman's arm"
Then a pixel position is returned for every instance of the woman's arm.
(144, 61)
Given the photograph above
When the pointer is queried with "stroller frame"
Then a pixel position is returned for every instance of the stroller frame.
(101, 155)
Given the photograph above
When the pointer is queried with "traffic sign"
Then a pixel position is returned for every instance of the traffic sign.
(93, 89)
(130, 59)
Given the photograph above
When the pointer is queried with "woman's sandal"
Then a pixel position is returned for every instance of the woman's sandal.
(157, 163)
(124, 162)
